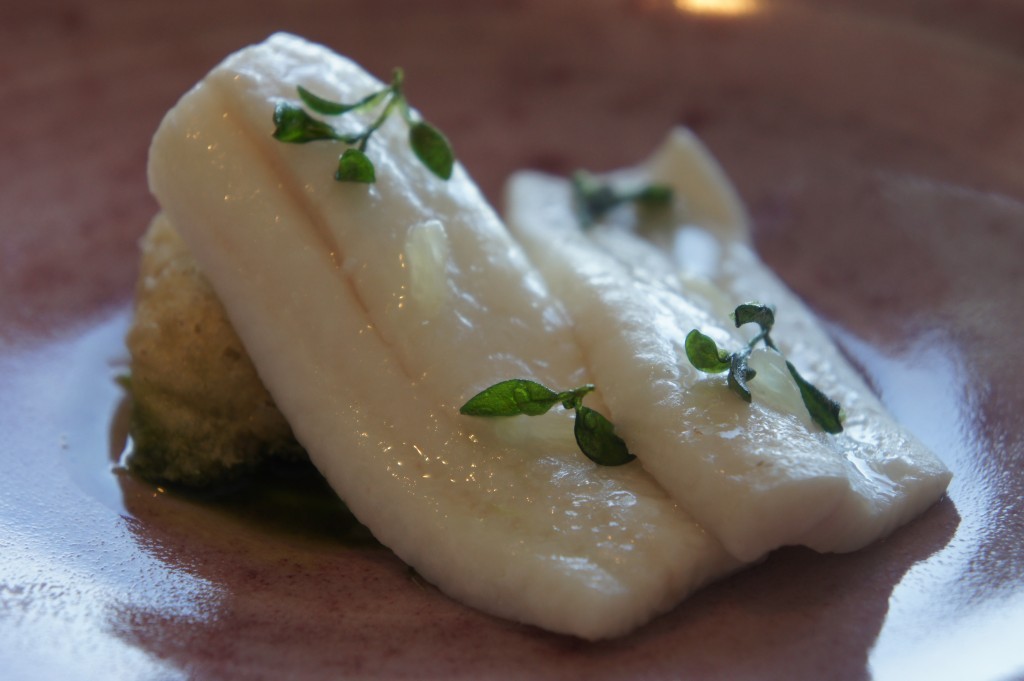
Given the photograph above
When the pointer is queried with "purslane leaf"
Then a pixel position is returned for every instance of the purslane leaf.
(654, 195)
(511, 398)
(295, 126)
(596, 438)
(354, 166)
(592, 199)
(704, 353)
(762, 315)
(739, 374)
(573, 399)
(824, 411)
(432, 148)
(330, 108)
(706, 356)
(595, 434)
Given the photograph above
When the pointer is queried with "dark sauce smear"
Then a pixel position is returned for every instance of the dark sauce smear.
(280, 498)
(284, 498)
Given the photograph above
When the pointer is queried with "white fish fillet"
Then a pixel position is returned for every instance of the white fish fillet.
(758, 476)
(372, 313)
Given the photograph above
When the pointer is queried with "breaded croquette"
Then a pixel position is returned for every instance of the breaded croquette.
(200, 414)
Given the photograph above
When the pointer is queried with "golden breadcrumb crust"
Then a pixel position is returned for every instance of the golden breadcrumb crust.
(200, 414)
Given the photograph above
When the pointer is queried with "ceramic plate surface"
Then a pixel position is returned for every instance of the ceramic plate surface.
(880, 149)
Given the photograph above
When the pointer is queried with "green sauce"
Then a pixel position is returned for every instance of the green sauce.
(289, 498)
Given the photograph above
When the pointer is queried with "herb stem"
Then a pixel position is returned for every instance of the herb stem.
(364, 138)
(705, 355)
(295, 126)
(593, 199)
(595, 434)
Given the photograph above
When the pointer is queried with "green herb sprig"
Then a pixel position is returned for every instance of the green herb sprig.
(595, 434)
(705, 355)
(295, 126)
(593, 199)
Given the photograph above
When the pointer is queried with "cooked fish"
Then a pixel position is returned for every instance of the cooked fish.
(372, 312)
(758, 475)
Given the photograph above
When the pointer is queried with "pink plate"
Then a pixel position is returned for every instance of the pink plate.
(880, 148)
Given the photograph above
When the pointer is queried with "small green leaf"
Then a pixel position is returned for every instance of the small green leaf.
(432, 148)
(762, 315)
(295, 126)
(330, 108)
(596, 438)
(321, 105)
(705, 354)
(654, 195)
(511, 398)
(573, 399)
(739, 374)
(593, 198)
(595, 435)
(354, 166)
(824, 411)
(584, 184)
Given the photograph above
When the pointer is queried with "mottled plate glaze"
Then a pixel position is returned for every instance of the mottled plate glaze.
(880, 147)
